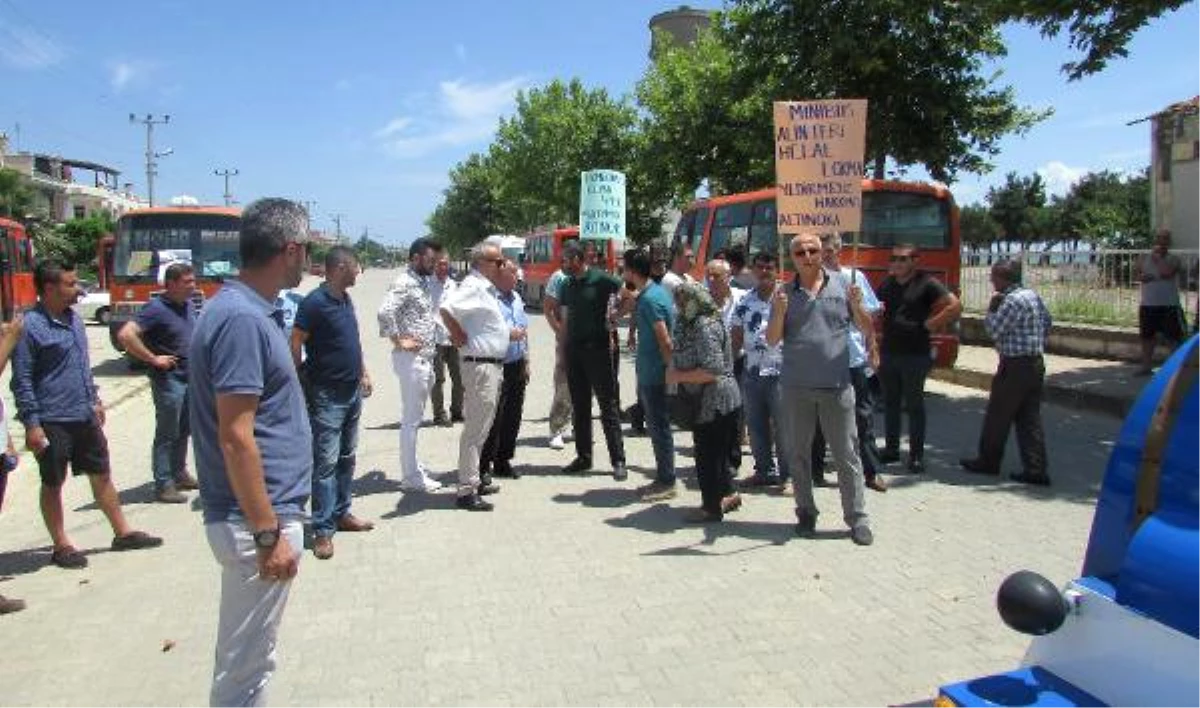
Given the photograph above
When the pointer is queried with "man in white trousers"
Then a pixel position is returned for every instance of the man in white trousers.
(406, 317)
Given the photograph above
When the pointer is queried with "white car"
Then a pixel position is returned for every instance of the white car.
(93, 306)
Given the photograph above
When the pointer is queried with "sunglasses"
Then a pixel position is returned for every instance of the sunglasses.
(806, 251)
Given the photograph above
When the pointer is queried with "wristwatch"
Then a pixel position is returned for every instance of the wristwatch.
(266, 539)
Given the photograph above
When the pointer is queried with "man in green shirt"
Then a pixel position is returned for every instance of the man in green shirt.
(590, 368)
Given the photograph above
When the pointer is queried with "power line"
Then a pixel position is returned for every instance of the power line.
(151, 157)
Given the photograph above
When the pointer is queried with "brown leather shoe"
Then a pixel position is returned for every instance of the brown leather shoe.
(10, 605)
(733, 502)
(186, 482)
(352, 523)
(877, 484)
(323, 547)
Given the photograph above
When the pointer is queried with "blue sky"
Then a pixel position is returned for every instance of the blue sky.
(364, 107)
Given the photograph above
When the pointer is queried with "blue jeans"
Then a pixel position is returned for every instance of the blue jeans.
(333, 410)
(763, 399)
(658, 425)
(168, 454)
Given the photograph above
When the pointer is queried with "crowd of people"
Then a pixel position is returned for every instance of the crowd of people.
(269, 388)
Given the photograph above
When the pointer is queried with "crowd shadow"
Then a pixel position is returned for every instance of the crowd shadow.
(664, 519)
(373, 482)
(607, 498)
(31, 560)
(117, 368)
(411, 503)
(141, 494)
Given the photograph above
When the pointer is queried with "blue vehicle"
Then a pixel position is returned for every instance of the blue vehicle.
(1125, 633)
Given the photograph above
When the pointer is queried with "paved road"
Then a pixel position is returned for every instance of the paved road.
(571, 592)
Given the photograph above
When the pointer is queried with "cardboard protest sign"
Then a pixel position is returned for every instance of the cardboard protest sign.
(819, 147)
(602, 205)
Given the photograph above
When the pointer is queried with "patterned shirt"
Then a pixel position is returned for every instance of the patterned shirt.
(753, 314)
(1020, 324)
(407, 311)
(705, 345)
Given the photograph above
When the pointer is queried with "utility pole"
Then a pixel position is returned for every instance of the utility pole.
(227, 173)
(151, 166)
(337, 221)
(309, 205)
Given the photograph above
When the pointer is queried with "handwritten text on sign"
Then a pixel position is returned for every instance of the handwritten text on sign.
(819, 148)
(602, 204)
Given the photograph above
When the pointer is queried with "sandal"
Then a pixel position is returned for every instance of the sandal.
(68, 557)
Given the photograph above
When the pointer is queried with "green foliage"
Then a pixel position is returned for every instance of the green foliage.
(15, 196)
(75, 241)
(977, 226)
(468, 210)
(1100, 29)
(369, 250)
(1017, 207)
(1109, 210)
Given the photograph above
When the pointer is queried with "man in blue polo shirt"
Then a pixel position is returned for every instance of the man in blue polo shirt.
(501, 443)
(253, 448)
(336, 382)
(160, 336)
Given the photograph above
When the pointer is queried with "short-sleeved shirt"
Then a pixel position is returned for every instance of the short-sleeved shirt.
(288, 302)
(238, 347)
(334, 352)
(727, 310)
(167, 329)
(587, 299)
(513, 309)
(474, 305)
(753, 314)
(870, 305)
(816, 348)
(906, 306)
(438, 290)
(1160, 292)
(654, 305)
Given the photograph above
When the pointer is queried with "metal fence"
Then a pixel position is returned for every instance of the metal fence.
(1085, 286)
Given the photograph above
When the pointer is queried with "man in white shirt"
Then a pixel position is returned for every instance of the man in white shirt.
(477, 327)
(1159, 311)
(682, 260)
(446, 359)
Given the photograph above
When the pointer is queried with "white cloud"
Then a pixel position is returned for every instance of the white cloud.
(122, 74)
(127, 74)
(1059, 177)
(184, 200)
(460, 114)
(397, 125)
(26, 48)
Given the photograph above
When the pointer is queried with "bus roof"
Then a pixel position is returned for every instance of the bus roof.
(868, 185)
(228, 211)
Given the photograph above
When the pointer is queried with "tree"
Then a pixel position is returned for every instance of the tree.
(557, 132)
(919, 64)
(74, 241)
(469, 206)
(1100, 29)
(15, 197)
(1110, 210)
(977, 226)
(1015, 206)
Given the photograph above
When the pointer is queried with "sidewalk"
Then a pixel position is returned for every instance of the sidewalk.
(1108, 387)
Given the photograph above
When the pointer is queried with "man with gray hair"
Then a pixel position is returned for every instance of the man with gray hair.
(253, 447)
(812, 317)
(477, 327)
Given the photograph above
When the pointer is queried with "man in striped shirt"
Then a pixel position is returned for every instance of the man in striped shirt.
(1019, 323)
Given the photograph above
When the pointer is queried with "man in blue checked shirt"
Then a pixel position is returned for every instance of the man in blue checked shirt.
(501, 443)
(1019, 323)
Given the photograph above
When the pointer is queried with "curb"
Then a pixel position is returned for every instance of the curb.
(1115, 406)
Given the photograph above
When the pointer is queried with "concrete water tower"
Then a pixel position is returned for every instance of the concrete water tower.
(681, 25)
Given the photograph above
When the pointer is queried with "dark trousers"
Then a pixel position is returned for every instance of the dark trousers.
(590, 372)
(1016, 398)
(864, 421)
(903, 378)
(446, 360)
(711, 442)
(501, 441)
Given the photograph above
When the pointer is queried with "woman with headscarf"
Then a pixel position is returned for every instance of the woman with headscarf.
(703, 358)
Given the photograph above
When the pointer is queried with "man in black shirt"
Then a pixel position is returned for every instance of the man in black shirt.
(915, 304)
(589, 359)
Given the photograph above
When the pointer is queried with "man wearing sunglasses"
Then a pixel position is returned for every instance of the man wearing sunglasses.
(915, 304)
(812, 317)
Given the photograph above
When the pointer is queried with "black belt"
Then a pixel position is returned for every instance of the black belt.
(483, 360)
